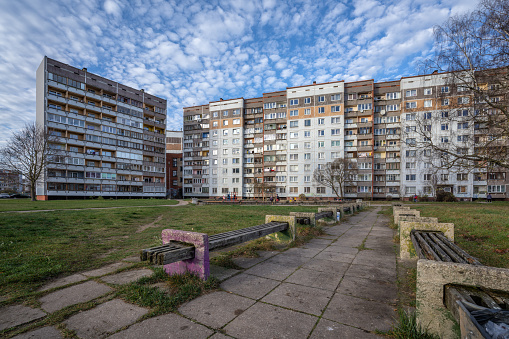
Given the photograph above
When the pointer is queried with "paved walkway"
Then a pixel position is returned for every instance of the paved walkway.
(342, 285)
(180, 203)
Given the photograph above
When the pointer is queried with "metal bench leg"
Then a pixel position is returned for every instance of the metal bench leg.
(200, 264)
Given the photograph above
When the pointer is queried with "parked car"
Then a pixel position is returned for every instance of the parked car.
(19, 196)
(4, 196)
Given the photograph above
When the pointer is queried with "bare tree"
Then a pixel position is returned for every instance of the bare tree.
(28, 151)
(473, 49)
(336, 175)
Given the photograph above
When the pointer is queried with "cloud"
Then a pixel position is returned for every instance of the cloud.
(194, 52)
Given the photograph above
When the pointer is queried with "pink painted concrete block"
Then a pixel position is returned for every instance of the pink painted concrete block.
(200, 265)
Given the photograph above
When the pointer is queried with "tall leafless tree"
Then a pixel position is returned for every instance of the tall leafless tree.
(473, 49)
(336, 175)
(28, 151)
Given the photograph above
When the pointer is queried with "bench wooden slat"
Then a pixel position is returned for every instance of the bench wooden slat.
(436, 248)
(246, 235)
(447, 249)
(467, 257)
(426, 248)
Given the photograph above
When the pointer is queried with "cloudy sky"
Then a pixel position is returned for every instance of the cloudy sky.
(194, 52)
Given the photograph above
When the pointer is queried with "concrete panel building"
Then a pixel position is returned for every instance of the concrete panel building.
(112, 136)
(271, 145)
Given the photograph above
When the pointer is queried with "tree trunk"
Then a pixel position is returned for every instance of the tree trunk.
(32, 191)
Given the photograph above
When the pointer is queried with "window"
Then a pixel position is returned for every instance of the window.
(321, 144)
(294, 168)
(307, 111)
(411, 93)
(321, 132)
(294, 113)
(336, 109)
(462, 125)
(445, 89)
(392, 108)
(321, 109)
(307, 156)
(411, 104)
(444, 139)
(307, 134)
(320, 190)
(427, 177)
(428, 91)
(294, 156)
(294, 146)
(307, 145)
(444, 127)
(362, 107)
(321, 155)
(463, 100)
(393, 95)
(335, 143)
(294, 135)
(225, 113)
(321, 98)
(307, 167)
(335, 120)
(336, 131)
(410, 141)
(410, 153)
(427, 115)
(321, 121)
(335, 97)
(236, 121)
(444, 177)
(496, 188)
(410, 177)
(445, 102)
(294, 123)
(428, 103)
(307, 122)
(293, 102)
(462, 176)
(410, 117)
(444, 114)
(462, 138)
(463, 113)
(410, 190)
(307, 100)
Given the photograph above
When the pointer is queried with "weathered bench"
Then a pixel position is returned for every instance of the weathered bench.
(448, 278)
(184, 251)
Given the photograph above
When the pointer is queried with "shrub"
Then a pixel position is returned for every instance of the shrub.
(302, 196)
(445, 196)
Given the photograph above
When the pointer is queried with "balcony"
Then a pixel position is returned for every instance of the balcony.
(351, 137)
(393, 159)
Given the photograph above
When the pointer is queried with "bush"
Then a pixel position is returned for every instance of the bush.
(445, 196)
(424, 198)
(302, 196)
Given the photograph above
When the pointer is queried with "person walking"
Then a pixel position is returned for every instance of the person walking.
(489, 197)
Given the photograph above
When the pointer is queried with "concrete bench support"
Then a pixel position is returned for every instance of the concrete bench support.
(433, 276)
(417, 219)
(309, 215)
(406, 248)
(200, 264)
(290, 219)
(405, 213)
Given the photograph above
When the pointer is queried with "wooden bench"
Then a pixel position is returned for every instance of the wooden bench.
(463, 294)
(184, 251)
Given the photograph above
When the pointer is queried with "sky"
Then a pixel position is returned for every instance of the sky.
(191, 53)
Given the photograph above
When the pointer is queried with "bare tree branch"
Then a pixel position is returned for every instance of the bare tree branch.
(336, 175)
(28, 151)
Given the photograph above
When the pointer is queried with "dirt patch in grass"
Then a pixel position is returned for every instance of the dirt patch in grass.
(152, 224)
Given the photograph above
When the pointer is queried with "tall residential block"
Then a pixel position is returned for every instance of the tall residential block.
(174, 163)
(268, 146)
(112, 136)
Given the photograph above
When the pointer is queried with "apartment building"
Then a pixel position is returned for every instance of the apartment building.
(174, 164)
(112, 136)
(271, 145)
(10, 181)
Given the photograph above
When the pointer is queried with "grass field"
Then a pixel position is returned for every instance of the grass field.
(27, 205)
(481, 229)
(36, 247)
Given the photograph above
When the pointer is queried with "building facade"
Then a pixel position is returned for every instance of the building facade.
(11, 181)
(271, 145)
(111, 136)
(174, 164)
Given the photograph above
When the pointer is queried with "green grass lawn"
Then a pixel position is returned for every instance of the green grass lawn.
(27, 205)
(37, 247)
(480, 229)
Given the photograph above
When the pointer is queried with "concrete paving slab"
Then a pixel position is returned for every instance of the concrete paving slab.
(321, 241)
(304, 252)
(348, 242)
(104, 319)
(314, 246)
(323, 265)
(249, 285)
(127, 276)
(48, 332)
(333, 256)
(105, 270)
(134, 258)
(369, 289)
(222, 273)
(341, 249)
(64, 281)
(73, 295)
(300, 298)
(377, 259)
(275, 271)
(323, 280)
(216, 309)
(372, 272)
(267, 321)
(289, 259)
(249, 262)
(333, 330)
(220, 336)
(367, 315)
(163, 327)
(15, 315)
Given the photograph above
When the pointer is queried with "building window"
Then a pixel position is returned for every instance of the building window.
(307, 100)
(428, 91)
(321, 109)
(320, 190)
(411, 93)
(307, 111)
(294, 113)
(294, 102)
